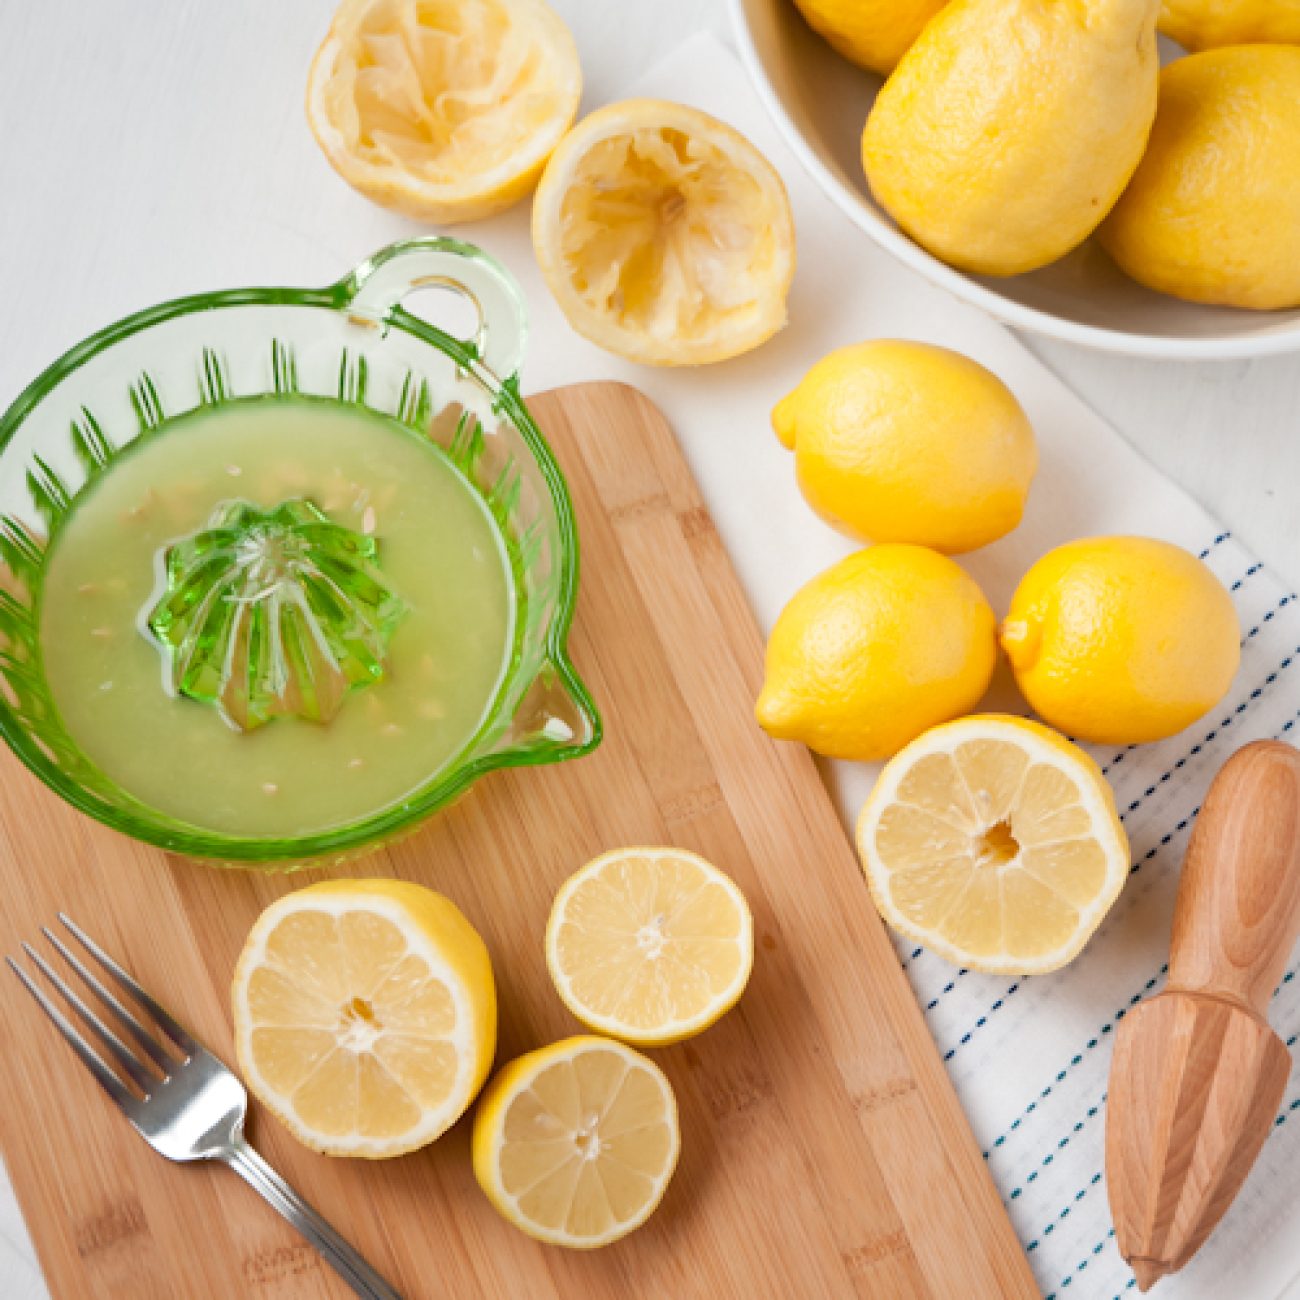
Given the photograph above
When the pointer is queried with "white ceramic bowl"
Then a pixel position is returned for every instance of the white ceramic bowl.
(820, 101)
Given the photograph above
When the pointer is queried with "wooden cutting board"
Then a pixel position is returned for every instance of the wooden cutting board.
(823, 1149)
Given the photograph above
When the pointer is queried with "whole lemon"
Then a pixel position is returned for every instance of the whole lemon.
(897, 441)
(1010, 127)
(875, 650)
(1205, 24)
(874, 34)
(1213, 210)
(1121, 639)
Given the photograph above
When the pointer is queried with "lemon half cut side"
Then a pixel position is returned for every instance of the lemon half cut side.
(575, 1143)
(365, 1015)
(995, 842)
(650, 945)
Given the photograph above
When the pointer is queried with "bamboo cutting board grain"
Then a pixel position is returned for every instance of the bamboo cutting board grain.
(823, 1150)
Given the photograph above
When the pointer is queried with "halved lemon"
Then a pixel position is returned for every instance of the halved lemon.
(365, 1015)
(575, 1143)
(444, 110)
(664, 234)
(650, 945)
(994, 841)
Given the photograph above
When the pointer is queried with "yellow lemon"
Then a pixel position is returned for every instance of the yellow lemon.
(650, 945)
(907, 442)
(995, 842)
(665, 236)
(1011, 126)
(1213, 211)
(875, 650)
(365, 1015)
(874, 34)
(1204, 24)
(1121, 640)
(444, 110)
(575, 1143)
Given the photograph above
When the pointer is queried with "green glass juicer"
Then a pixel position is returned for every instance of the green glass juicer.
(351, 343)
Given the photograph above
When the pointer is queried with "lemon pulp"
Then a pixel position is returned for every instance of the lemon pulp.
(994, 841)
(650, 945)
(445, 110)
(575, 1143)
(439, 550)
(664, 234)
(365, 1015)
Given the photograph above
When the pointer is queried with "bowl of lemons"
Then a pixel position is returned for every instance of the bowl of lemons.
(1037, 160)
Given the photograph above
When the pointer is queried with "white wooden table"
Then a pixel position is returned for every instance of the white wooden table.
(154, 147)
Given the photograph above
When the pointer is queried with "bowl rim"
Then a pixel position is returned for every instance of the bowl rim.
(1034, 319)
(388, 822)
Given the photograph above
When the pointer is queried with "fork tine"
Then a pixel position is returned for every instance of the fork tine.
(128, 1021)
(169, 1025)
(116, 1047)
(107, 1080)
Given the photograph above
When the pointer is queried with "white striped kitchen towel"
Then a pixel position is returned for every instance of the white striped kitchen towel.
(1030, 1056)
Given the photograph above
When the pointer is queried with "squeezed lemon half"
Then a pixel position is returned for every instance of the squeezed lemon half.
(664, 234)
(575, 1143)
(444, 110)
(994, 841)
(650, 945)
(365, 1015)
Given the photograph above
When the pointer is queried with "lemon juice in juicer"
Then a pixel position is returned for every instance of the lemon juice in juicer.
(301, 609)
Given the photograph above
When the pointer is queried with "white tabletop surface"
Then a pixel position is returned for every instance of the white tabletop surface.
(88, 204)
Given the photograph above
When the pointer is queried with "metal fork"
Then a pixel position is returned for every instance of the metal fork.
(189, 1105)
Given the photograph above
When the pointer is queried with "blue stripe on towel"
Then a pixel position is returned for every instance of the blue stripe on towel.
(1093, 1042)
(1092, 1113)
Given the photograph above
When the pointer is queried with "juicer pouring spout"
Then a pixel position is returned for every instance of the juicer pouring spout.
(555, 720)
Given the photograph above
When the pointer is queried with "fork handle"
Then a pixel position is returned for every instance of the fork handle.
(342, 1257)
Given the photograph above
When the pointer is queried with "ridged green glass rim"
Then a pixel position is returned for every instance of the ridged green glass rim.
(339, 841)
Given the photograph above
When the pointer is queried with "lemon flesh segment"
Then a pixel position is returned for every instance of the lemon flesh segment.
(664, 234)
(994, 841)
(365, 1015)
(575, 1143)
(444, 110)
(650, 945)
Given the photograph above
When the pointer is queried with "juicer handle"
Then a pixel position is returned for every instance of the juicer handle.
(1238, 908)
(378, 286)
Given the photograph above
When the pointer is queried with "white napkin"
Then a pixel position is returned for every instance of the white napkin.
(1030, 1057)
